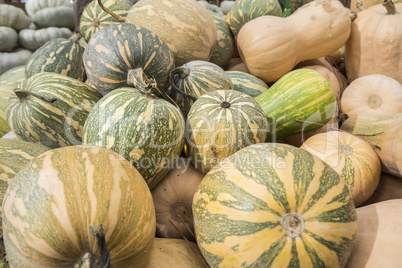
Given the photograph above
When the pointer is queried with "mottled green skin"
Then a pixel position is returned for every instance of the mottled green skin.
(61, 55)
(247, 83)
(53, 200)
(13, 76)
(224, 46)
(120, 47)
(243, 11)
(298, 95)
(14, 154)
(232, 209)
(5, 93)
(196, 78)
(95, 18)
(54, 124)
(146, 130)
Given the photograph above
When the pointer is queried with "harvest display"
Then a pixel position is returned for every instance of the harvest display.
(186, 133)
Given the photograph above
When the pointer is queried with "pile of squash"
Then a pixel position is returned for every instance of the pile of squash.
(182, 133)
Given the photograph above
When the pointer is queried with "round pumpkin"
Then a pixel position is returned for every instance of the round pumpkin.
(389, 187)
(274, 205)
(247, 83)
(13, 76)
(17, 57)
(33, 39)
(8, 38)
(14, 17)
(54, 200)
(59, 16)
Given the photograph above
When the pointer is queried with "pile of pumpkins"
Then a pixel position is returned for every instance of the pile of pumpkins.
(166, 134)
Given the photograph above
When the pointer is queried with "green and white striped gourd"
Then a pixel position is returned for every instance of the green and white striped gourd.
(94, 18)
(14, 154)
(146, 130)
(60, 55)
(54, 199)
(13, 76)
(50, 109)
(220, 123)
(274, 205)
(300, 101)
(193, 79)
(116, 50)
(5, 93)
(247, 83)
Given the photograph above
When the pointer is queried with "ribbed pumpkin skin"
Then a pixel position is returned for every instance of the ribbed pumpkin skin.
(14, 154)
(299, 95)
(243, 211)
(61, 55)
(54, 124)
(94, 18)
(214, 132)
(243, 11)
(247, 83)
(184, 25)
(120, 47)
(13, 76)
(196, 78)
(147, 131)
(51, 202)
(352, 158)
(5, 94)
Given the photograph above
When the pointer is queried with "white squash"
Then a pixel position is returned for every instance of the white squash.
(32, 6)
(14, 58)
(62, 16)
(8, 38)
(33, 39)
(13, 17)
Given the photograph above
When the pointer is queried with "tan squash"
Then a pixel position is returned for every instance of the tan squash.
(271, 46)
(375, 43)
(351, 157)
(389, 187)
(173, 197)
(378, 242)
(335, 56)
(364, 4)
(384, 132)
(374, 93)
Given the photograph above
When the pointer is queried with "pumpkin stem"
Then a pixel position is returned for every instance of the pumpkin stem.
(353, 16)
(359, 5)
(108, 11)
(389, 5)
(183, 72)
(22, 94)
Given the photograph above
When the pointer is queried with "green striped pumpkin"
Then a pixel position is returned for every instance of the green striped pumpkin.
(52, 201)
(50, 109)
(224, 46)
(13, 76)
(146, 130)
(301, 94)
(185, 26)
(60, 55)
(274, 205)
(243, 11)
(114, 51)
(94, 18)
(194, 79)
(220, 123)
(5, 93)
(247, 83)
(14, 154)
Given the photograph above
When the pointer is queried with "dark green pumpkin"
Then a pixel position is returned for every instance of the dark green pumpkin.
(114, 51)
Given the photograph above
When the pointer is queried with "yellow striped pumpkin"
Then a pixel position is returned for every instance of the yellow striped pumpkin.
(52, 201)
(274, 205)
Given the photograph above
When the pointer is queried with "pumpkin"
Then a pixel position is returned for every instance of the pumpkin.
(330, 76)
(61, 55)
(33, 39)
(14, 17)
(389, 187)
(270, 46)
(50, 109)
(226, 5)
(243, 11)
(8, 38)
(13, 76)
(173, 199)
(374, 93)
(378, 238)
(224, 46)
(193, 79)
(384, 132)
(60, 16)
(17, 57)
(146, 130)
(364, 4)
(32, 6)
(236, 64)
(298, 102)
(375, 42)
(14, 154)
(60, 194)
(220, 123)
(274, 205)
(352, 158)
(5, 93)
(187, 28)
(247, 83)
(94, 17)
(110, 62)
